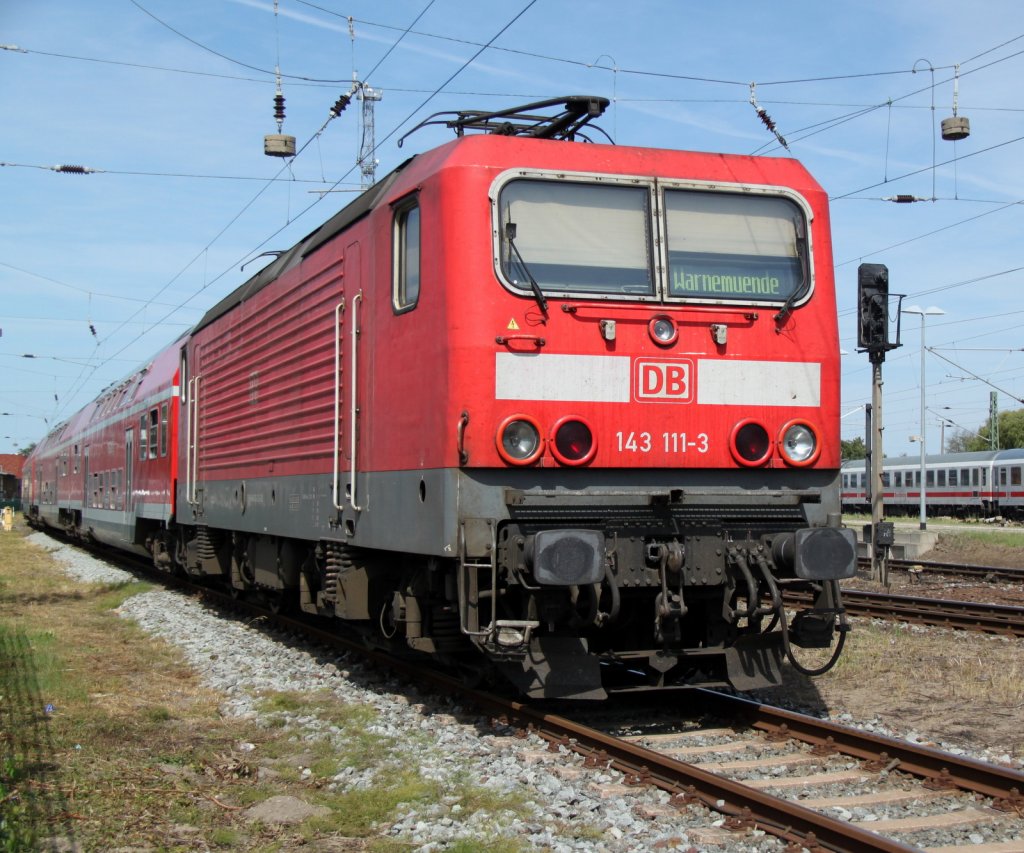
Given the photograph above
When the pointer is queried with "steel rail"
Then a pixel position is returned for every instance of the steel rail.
(969, 774)
(1016, 574)
(995, 572)
(940, 612)
(744, 806)
(687, 783)
(966, 615)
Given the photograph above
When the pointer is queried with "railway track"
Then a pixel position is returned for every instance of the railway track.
(782, 805)
(959, 569)
(964, 615)
(815, 810)
(1002, 619)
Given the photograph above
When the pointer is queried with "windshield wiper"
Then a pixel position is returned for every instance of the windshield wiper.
(510, 235)
(805, 273)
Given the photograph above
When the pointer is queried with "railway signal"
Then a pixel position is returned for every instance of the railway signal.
(873, 311)
(873, 338)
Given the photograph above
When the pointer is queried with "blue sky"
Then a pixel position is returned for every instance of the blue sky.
(173, 111)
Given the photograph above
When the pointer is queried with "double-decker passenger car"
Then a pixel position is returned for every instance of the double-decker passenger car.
(979, 484)
(108, 472)
(568, 410)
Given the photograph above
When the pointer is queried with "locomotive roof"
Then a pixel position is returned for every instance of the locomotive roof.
(508, 151)
(352, 212)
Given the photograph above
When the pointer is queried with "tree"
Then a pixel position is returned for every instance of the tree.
(959, 441)
(855, 449)
(1011, 429)
(1011, 432)
(25, 451)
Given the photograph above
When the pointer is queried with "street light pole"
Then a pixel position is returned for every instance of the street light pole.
(930, 311)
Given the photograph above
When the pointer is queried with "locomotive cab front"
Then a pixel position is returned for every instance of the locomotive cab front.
(647, 399)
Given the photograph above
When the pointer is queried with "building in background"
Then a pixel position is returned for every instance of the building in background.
(11, 465)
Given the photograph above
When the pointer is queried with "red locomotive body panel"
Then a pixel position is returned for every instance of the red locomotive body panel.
(766, 370)
(267, 366)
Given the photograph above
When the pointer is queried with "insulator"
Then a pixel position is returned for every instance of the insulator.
(279, 107)
(904, 199)
(767, 120)
(92, 329)
(73, 170)
(339, 105)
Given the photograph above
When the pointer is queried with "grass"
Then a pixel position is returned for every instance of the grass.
(950, 686)
(136, 754)
(978, 669)
(990, 537)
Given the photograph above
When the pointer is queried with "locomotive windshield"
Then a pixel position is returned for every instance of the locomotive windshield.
(575, 237)
(728, 246)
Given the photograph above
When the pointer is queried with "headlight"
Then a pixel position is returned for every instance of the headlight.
(798, 443)
(662, 331)
(573, 442)
(518, 440)
(750, 443)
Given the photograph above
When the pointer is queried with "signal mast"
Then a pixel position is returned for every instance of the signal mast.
(873, 338)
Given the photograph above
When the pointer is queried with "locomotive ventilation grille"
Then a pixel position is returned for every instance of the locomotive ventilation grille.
(660, 520)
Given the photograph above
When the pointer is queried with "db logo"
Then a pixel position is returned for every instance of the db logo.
(668, 381)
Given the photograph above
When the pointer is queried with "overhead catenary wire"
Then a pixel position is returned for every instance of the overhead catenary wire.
(896, 106)
(79, 380)
(144, 174)
(932, 233)
(739, 98)
(548, 57)
(910, 174)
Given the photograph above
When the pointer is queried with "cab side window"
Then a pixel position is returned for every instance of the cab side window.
(406, 256)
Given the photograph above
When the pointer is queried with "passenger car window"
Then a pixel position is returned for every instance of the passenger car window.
(407, 257)
(154, 420)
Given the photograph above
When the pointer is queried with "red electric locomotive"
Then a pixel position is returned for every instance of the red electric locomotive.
(566, 411)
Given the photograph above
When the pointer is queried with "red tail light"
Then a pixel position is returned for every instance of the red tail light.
(750, 443)
(574, 442)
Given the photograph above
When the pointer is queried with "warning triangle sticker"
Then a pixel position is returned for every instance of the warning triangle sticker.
(513, 326)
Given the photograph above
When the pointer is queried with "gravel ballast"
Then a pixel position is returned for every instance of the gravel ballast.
(562, 800)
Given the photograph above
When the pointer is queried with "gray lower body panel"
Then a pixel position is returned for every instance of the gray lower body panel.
(420, 512)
